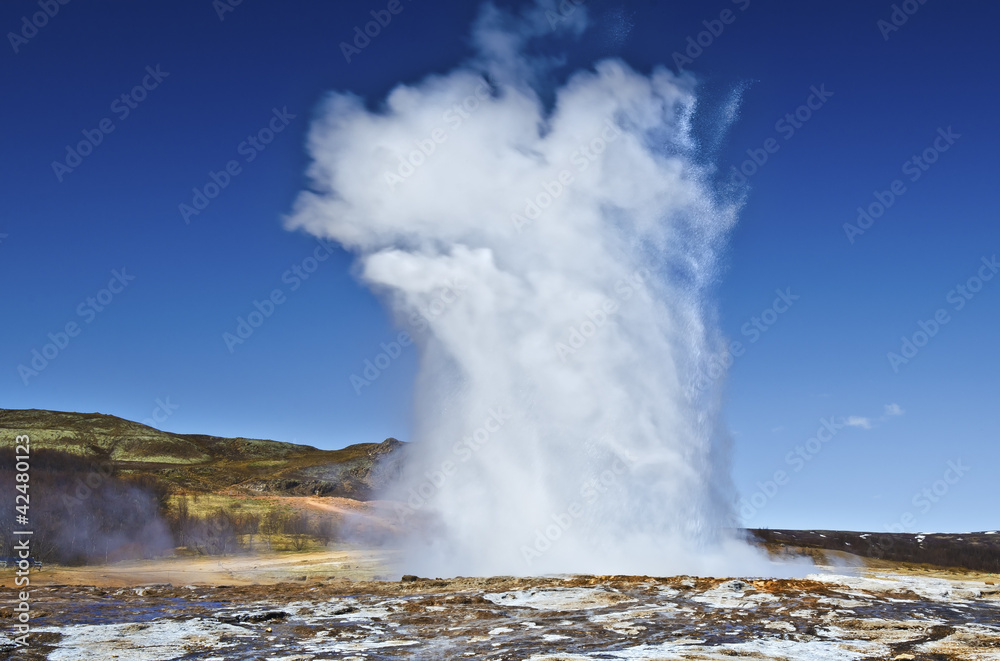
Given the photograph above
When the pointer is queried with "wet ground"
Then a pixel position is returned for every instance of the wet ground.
(882, 615)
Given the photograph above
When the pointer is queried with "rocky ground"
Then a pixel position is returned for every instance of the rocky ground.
(905, 614)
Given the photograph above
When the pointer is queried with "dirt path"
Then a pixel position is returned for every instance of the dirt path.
(229, 570)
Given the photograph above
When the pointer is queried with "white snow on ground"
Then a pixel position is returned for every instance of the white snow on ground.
(647, 610)
(341, 609)
(364, 626)
(559, 599)
(732, 594)
(984, 639)
(841, 603)
(363, 645)
(779, 650)
(159, 640)
(934, 589)
(882, 630)
(780, 626)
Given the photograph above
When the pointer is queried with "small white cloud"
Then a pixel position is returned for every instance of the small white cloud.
(858, 421)
(894, 409)
(778, 428)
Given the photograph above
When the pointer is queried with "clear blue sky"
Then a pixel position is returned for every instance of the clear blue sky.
(161, 337)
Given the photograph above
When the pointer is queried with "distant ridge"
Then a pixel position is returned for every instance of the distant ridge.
(202, 463)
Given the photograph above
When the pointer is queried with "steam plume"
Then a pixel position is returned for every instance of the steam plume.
(556, 424)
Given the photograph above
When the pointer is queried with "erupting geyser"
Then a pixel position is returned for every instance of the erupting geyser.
(555, 258)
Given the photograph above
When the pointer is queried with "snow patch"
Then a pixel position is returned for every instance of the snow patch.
(559, 599)
(733, 594)
(159, 640)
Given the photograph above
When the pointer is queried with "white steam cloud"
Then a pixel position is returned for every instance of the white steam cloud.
(563, 250)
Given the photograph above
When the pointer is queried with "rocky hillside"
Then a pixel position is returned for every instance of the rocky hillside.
(978, 551)
(199, 463)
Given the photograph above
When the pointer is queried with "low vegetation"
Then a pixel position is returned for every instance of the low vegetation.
(972, 551)
(104, 489)
(196, 463)
(85, 512)
(219, 525)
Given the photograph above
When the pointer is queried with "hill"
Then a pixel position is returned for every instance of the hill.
(196, 463)
(975, 551)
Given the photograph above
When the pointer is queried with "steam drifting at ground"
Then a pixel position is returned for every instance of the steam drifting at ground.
(556, 424)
